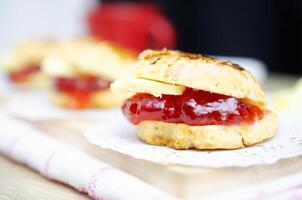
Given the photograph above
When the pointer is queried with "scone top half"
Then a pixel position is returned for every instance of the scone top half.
(88, 56)
(190, 93)
(82, 70)
(200, 72)
(23, 62)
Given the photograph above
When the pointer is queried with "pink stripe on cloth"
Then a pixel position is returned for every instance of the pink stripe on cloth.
(48, 161)
(93, 180)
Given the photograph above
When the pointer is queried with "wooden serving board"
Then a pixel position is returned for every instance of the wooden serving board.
(179, 181)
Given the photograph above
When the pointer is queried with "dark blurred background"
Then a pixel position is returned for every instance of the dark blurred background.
(270, 30)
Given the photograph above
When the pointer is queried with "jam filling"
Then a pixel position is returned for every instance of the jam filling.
(79, 90)
(193, 107)
(23, 74)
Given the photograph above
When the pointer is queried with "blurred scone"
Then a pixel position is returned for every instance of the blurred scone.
(23, 63)
(190, 101)
(82, 70)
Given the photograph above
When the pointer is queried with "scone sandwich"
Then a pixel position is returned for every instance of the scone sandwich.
(190, 101)
(23, 63)
(82, 71)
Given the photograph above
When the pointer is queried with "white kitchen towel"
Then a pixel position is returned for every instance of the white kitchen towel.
(55, 160)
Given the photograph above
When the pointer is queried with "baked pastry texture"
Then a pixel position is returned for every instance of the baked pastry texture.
(82, 70)
(199, 72)
(89, 55)
(227, 100)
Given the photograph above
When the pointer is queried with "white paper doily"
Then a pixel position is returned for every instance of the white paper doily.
(36, 105)
(121, 136)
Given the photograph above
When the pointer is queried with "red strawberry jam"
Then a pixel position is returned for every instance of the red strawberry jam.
(193, 107)
(23, 74)
(80, 89)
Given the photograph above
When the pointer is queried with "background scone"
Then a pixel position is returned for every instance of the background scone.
(189, 101)
(23, 63)
(82, 71)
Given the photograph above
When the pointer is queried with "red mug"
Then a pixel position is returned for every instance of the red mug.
(136, 26)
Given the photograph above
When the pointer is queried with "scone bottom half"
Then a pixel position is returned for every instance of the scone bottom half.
(176, 115)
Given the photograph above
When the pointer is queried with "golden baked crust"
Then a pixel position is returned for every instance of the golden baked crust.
(95, 57)
(101, 99)
(28, 53)
(182, 136)
(199, 72)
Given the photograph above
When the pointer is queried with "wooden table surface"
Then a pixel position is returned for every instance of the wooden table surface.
(19, 182)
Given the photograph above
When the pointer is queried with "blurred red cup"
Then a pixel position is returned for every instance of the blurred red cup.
(136, 26)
